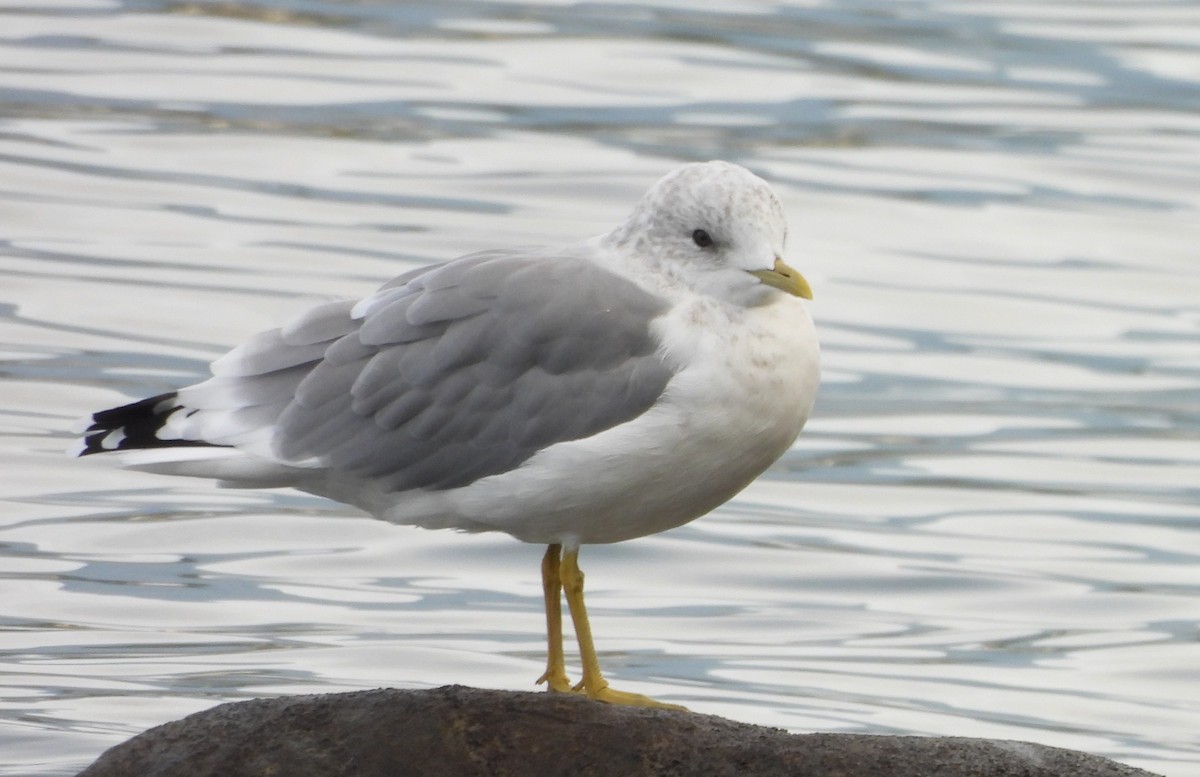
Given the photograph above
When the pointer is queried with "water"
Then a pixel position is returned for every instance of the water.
(989, 529)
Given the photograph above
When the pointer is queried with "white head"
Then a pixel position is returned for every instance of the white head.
(716, 228)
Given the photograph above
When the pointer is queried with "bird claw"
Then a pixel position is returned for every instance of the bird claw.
(608, 695)
(555, 682)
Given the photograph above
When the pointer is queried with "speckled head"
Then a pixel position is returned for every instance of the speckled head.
(703, 221)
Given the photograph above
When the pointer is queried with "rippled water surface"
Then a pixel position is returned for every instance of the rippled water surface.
(991, 527)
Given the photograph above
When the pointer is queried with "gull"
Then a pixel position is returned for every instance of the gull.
(590, 393)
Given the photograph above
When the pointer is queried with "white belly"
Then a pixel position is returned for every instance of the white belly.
(742, 394)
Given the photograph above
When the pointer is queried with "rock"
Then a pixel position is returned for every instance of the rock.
(465, 731)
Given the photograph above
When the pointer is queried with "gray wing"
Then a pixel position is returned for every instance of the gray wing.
(453, 373)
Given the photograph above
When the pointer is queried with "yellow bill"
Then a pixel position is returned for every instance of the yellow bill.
(785, 278)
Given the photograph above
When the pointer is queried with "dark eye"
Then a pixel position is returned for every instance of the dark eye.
(702, 238)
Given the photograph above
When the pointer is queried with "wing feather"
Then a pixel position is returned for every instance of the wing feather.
(446, 375)
(319, 324)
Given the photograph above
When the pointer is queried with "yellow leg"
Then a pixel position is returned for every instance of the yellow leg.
(556, 671)
(593, 683)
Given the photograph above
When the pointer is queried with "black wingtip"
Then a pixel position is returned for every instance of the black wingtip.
(135, 426)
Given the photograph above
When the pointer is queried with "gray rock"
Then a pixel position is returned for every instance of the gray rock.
(465, 731)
